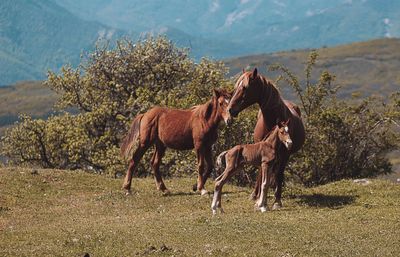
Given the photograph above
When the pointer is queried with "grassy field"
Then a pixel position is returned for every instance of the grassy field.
(64, 213)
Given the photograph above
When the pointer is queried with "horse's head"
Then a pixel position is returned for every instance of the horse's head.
(245, 94)
(223, 98)
(283, 134)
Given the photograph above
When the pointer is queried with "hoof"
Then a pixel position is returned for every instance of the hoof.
(263, 209)
(253, 196)
(128, 192)
(215, 211)
(166, 192)
(276, 206)
(194, 188)
(203, 192)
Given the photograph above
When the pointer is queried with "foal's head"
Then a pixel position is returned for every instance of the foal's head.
(222, 96)
(246, 92)
(283, 134)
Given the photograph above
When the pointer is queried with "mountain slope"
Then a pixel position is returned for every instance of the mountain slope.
(37, 35)
(368, 68)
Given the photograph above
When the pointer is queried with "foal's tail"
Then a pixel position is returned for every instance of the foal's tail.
(131, 140)
(219, 159)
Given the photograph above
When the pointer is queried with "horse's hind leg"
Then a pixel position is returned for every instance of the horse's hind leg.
(133, 163)
(230, 170)
(155, 164)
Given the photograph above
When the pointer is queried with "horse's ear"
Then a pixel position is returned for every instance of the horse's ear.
(254, 74)
(243, 70)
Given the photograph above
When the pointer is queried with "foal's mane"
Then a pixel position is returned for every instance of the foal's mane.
(269, 133)
(205, 110)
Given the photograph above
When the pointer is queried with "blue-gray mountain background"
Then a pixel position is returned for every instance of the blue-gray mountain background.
(37, 35)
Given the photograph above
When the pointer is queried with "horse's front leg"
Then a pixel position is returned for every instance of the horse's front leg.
(257, 187)
(201, 163)
(279, 182)
(261, 203)
(209, 166)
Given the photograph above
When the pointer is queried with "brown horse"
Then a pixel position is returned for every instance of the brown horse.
(252, 88)
(265, 153)
(177, 129)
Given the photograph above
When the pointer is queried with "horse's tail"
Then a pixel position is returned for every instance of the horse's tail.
(131, 140)
(219, 159)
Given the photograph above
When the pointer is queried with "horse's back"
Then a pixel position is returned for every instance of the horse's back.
(174, 128)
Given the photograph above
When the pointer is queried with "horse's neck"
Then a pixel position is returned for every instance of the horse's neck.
(272, 139)
(271, 104)
(210, 113)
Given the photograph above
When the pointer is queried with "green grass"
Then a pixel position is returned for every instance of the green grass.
(63, 213)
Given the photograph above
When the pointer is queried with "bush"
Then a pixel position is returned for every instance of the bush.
(109, 88)
(344, 139)
(114, 84)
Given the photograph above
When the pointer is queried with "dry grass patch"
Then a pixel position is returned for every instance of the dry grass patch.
(63, 213)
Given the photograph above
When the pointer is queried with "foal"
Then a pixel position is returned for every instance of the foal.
(264, 153)
(177, 129)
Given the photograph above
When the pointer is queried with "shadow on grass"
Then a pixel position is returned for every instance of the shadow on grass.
(330, 201)
(210, 193)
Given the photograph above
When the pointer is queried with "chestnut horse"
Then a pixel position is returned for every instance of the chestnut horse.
(177, 129)
(265, 153)
(252, 88)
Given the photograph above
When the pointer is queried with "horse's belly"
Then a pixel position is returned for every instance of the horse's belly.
(178, 142)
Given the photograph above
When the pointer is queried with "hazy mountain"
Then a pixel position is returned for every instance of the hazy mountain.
(37, 35)
(257, 26)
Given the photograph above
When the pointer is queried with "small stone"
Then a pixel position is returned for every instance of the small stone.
(362, 181)
(34, 172)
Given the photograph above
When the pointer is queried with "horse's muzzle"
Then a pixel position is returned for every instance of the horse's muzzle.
(288, 144)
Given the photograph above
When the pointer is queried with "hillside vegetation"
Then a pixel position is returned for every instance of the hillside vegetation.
(29, 97)
(365, 68)
(62, 213)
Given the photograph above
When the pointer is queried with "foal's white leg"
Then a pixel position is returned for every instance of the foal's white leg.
(215, 202)
(261, 202)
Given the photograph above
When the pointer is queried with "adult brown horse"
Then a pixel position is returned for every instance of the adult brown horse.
(252, 88)
(177, 129)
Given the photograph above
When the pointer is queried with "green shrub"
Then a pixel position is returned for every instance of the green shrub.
(344, 139)
(114, 84)
(109, 88)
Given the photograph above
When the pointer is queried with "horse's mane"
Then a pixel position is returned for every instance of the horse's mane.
(205, 110)
(269, 133)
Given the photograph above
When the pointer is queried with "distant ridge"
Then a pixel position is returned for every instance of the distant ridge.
(365, 68)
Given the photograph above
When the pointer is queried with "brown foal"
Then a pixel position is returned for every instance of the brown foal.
(264, 153)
